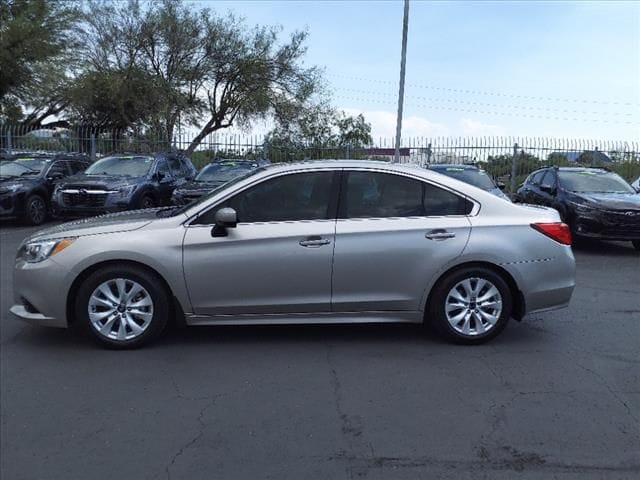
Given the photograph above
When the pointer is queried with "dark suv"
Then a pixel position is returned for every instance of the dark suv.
(122, 182)
(212, 176)
(27, 181)
(594, 202)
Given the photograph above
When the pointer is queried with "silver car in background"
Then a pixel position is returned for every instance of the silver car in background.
(316, 242)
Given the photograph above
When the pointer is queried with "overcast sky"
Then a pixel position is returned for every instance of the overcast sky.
(560, 69)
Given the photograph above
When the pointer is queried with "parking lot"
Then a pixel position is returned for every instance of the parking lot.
(556, 396)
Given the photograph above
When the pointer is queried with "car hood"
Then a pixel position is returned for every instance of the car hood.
(611, 201)
(104, 181)
(199, 187)
(23, 181)
(114, 222)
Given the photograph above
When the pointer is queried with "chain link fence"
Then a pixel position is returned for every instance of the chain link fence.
(507, 159)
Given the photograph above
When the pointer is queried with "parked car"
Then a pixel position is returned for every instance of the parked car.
(212, 175)
(27, 181)
(636, 185)
(471, 175)
(314, 242)
(594, 202)
(122, 182)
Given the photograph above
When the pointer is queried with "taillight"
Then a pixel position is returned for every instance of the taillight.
(558, 231)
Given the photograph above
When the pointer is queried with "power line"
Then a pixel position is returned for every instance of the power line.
(486, 93)
(491, 105)
(485, 112)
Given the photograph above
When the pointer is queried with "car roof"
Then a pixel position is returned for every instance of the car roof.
(444, 166)
(579, 169)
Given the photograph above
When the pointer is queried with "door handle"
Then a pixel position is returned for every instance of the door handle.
(314, 241)
(439, 235)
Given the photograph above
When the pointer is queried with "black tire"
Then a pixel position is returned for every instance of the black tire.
(636, 244)
(153, 287)
(147, 201)
(35, 210)
(436, 310)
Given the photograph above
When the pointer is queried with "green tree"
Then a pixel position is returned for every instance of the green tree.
(211, 72)
(36, 37)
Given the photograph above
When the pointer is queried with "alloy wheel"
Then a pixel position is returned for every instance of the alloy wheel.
(473, 306)
(120, 309)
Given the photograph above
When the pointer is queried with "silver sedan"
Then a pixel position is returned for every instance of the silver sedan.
(316, 242)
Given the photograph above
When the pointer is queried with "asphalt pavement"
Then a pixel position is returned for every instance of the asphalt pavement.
(556, 396)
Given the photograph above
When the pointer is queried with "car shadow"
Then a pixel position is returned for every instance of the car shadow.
(280, 335)
(589, 246)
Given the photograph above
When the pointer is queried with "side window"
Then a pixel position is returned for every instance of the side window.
(549, 179)
(58, 167)
(536, 177)
(187, 167)
(382, 195)
(298, 196)
(77, 166)
(174, 165)
(163, 168)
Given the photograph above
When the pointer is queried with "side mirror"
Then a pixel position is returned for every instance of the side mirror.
(225, 218)
(158, 176)
(501, 185)
(55, 176)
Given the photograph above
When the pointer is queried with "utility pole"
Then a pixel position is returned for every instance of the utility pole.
(403, 63)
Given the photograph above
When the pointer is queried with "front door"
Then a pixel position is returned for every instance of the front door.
(276, 260)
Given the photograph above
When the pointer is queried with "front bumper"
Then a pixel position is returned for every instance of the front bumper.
(11, 205)
(22, 313)
(40, 292)
(607, 226)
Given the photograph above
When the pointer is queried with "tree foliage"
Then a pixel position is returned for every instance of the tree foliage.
(36, 38)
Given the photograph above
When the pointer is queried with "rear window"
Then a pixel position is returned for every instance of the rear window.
(477, 178)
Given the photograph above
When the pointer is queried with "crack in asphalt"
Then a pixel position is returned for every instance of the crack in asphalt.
(351, 426)
(196, 438)
(515, 460)
(615, 394)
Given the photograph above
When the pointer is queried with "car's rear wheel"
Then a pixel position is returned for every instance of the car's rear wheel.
(470, 306)
(147, 201)
(636, 244)
(123, 307)
(35, 210)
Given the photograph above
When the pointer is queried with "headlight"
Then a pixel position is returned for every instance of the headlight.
(126, 191)
(582, 207)
(34, 252)
(11, 188)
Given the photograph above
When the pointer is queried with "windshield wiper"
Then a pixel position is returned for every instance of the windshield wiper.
(167, 211)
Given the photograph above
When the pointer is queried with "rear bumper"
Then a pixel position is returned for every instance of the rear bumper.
(547, 283)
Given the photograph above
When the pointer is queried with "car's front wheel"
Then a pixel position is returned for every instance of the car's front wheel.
(123, 307)
(147, 201)
(470, 306)
(35, 210)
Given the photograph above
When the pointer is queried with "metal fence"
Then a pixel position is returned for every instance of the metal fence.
(507, 159)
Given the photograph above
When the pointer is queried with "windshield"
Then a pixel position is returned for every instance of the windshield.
(171, 211)
(224, 171)
(22, 166)
(136, 166)
(477, 178)
(593, 181)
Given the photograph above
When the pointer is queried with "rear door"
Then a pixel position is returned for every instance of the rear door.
(393, 234)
